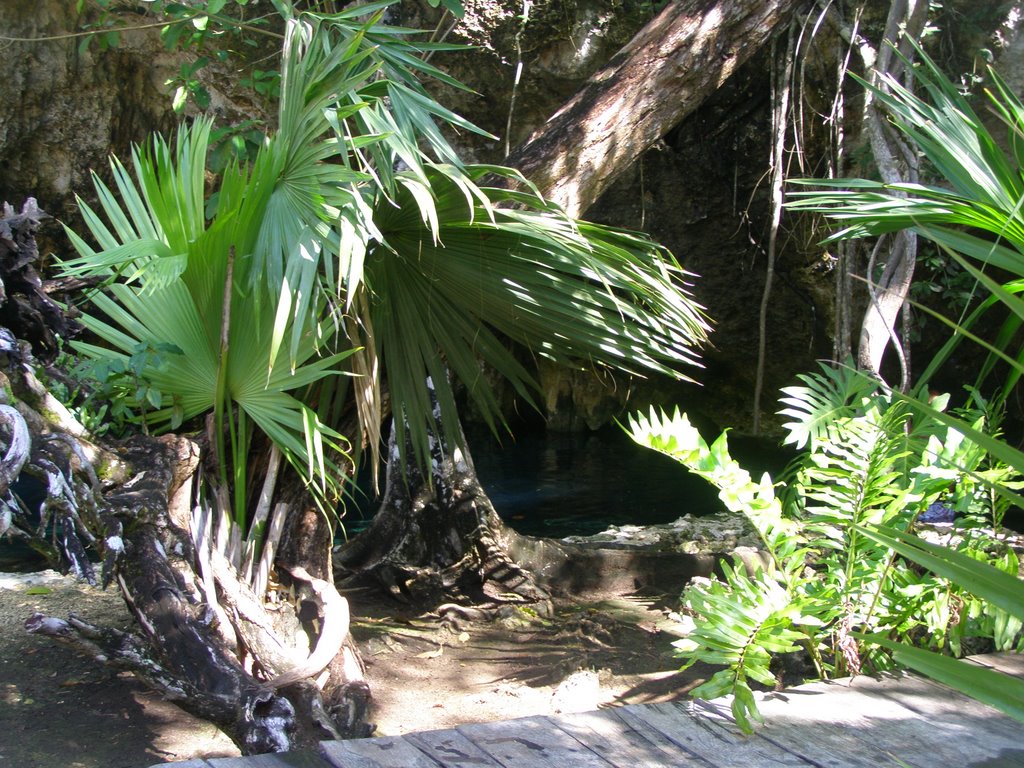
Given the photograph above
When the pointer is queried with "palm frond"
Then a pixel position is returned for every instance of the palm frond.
(579, 295)
(178, 302)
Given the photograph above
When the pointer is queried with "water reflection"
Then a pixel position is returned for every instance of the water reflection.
(578, 484)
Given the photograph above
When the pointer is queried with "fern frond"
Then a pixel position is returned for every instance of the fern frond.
(676, 437)
(825, 397)
(854, 474)
(743, 621)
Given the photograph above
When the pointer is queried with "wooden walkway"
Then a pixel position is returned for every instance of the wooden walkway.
(905, 721)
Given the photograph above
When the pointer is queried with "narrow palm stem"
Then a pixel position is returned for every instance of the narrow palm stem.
(220, 396)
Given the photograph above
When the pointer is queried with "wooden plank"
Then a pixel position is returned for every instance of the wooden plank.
(531, 742)
(704, 737)
(944, 714)
(1008, 663)
(450, 748)
(381, 752)
(813, 722)
(301, 759)
(620, 744)
(901, 732)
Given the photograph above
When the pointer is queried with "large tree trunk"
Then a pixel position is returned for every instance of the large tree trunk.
(437, 537)
(672, 65)
(437, 543)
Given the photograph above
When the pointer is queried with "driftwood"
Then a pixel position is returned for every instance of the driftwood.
(265, 705)
(26, 308)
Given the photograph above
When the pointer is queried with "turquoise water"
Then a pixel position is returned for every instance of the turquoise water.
(578, 484)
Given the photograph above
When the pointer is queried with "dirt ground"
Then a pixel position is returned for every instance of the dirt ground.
(61, 709)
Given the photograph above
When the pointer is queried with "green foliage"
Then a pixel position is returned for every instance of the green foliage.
(174, 348)
(974, 216)
(353, 239)
(225, 30)
(866, 465)
(744, 619)
(186, 85)
(265, 83)
(454, 7)
(122, 381)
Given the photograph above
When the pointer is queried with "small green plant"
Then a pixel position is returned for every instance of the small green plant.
(266, 83)
(187, 85)
(865, 463)
(122, 381)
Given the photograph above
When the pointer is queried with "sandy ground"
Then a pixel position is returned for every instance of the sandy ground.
(61, 709)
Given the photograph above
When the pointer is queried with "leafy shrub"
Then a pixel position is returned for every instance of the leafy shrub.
(868, 462)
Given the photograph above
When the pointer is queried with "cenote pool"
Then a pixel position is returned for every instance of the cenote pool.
(564, 484)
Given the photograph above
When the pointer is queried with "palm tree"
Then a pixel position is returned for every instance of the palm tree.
(357, 212)
(357, 252)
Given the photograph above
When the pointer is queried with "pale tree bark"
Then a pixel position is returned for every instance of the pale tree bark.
(669, 68)
(896, 163)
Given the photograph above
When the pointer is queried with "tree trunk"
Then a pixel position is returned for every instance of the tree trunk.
(672, 65)
(896, 164)
(437, 537)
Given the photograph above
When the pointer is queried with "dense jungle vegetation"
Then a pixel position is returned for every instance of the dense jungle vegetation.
(258, 298)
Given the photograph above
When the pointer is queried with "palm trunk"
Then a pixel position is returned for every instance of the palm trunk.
(437, 537)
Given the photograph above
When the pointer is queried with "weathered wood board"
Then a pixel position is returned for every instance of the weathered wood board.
(711, 738)
(284, 760)
(383, 752)
(864, 723)
(619, 743)
(531, 742)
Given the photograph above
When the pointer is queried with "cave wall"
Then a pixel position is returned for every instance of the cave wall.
(64, 110)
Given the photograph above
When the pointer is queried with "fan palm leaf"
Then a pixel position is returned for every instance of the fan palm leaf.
(448, 294)
(183, 307)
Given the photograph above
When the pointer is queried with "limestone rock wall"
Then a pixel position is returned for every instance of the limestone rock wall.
(64, 110)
